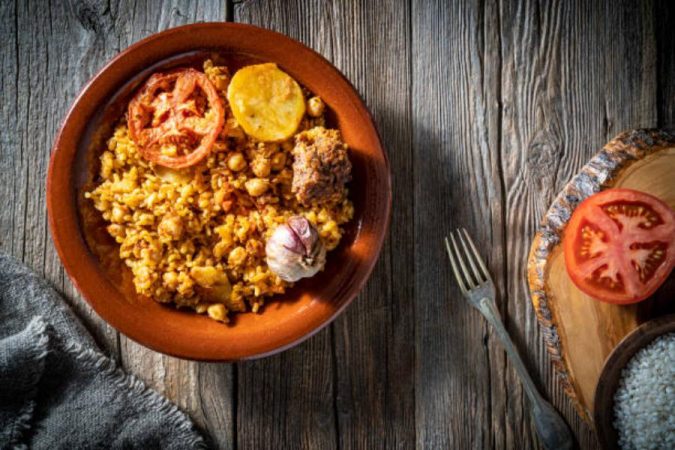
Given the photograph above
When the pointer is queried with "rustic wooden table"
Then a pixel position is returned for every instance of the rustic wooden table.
(485, 108)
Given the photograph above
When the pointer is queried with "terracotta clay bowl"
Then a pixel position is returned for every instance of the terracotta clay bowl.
(91, 259)
(603, 413)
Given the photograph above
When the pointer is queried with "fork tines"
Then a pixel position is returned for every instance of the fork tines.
(466, 279)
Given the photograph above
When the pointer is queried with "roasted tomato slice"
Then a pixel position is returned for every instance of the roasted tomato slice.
(175, 118)
(620, 245)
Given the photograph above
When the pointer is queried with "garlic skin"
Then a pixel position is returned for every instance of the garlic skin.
(294, 250)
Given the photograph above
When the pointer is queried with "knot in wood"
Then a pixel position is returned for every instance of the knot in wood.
(90, 15)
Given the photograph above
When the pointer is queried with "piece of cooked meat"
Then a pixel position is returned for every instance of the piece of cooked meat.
(321, 166)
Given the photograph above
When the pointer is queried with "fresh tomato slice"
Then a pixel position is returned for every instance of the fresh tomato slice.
(175, 118)
(620, 245)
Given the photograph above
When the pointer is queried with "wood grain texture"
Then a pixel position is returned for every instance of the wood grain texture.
(49, 51)
(371, 342)
(574, 74)
(375, 353)
(288, 400)
(664, 17)
(486, 109)
(44, 64)
(459, 392)
(205, 391)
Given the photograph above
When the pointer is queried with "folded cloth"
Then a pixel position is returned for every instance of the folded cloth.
(58, 391)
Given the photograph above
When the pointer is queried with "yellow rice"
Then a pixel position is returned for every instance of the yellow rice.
(174, 232)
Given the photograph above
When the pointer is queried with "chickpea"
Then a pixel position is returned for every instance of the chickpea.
(116, 231)
(261, 167)
(171, 227)
(315, 106)
(170, 279)
(329, 227)
(203, 202)
(219, 249)
(217, 311)
(236, 162)
(205, 276)
(118, 214)
(278, 161)
(236, 256)
(187, 190)
(187, 248)
(256, 187)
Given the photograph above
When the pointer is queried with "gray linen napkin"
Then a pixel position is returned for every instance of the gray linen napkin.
(57, 390)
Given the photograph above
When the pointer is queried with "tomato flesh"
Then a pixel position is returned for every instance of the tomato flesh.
(175, 118)
(620, 245)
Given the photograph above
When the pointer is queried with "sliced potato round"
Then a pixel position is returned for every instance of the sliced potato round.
(267, 103)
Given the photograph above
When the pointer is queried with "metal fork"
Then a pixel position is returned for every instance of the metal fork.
(478, 288)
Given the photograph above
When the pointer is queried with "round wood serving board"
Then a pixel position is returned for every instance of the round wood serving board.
(580, 332)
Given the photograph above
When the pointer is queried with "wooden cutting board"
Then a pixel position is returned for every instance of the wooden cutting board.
(581, 332)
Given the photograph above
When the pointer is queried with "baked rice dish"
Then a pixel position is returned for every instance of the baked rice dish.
(222, 189)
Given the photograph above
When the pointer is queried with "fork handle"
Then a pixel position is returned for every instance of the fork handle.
(551, 427)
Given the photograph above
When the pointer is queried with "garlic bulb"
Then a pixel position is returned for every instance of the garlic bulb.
(295, 251)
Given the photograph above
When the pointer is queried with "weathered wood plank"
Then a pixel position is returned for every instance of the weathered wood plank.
(664, 17)
(486, 110)
(50, 50)
(455, 138)
(373, 351)
(202, 390)
(45, 63)
(373, 340)
(9, 113)
(573, 75)
(288, 400)
(530, 98)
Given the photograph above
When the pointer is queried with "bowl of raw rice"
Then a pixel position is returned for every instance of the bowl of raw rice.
(634, 405)
(172, 193)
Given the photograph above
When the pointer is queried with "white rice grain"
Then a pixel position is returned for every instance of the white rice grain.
(644, 402)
